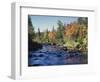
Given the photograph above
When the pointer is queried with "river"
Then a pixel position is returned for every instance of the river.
(54, 55)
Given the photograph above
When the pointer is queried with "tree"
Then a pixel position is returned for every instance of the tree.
(52, 36)
(71, 31)
(31, 31)
(32, 45)
(83, 40)
(60, 29)
(60, 32)
(39, 34)
(46, 38)
(76, 34)
(83, 21)
(53, 29)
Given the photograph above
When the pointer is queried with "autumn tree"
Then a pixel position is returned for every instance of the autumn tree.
(75, 34)
(71, 31)
(52, 35)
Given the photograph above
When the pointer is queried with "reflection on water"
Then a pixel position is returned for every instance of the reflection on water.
(53, 55)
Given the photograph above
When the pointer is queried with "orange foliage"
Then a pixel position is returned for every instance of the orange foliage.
(74, 30)
(52, 36)
(71, 30)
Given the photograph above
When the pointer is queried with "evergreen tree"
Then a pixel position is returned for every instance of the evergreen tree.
(46, 38)
(60, 32)
(39, 34)
(83, 21)
(31, 31)
(53, 29)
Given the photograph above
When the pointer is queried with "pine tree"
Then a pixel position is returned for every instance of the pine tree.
(31, 31)
(46, 38)
(60, 32)
(39, 34)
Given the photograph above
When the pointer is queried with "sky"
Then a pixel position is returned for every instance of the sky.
(48, 22)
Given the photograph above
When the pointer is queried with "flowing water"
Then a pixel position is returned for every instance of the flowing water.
(54, 55)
